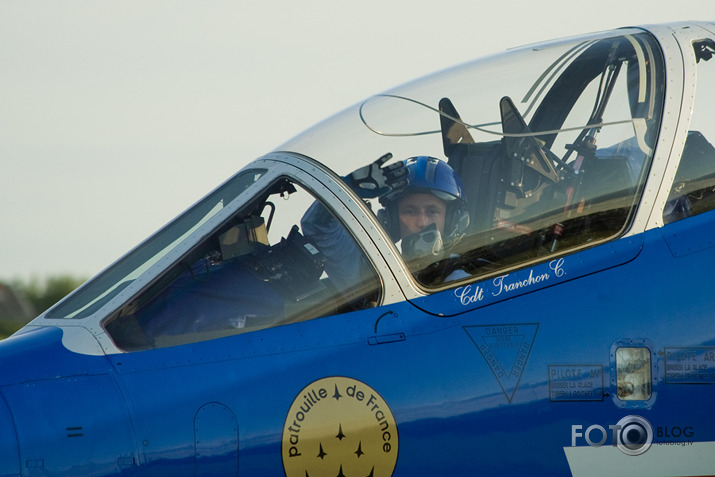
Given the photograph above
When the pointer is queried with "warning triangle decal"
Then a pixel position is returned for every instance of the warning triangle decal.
(506, 349)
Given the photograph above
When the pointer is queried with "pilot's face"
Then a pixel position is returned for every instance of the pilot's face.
(417, 211)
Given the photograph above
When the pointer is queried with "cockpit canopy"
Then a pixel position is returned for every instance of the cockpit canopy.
(552, 144)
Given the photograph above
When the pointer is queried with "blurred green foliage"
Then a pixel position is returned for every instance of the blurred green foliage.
(7, 328)
(41, 294)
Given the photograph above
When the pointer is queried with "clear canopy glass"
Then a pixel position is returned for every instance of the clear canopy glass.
(552, 143)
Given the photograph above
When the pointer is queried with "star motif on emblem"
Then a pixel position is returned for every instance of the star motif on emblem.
(336, 394)
(322, 453)
(340, 435)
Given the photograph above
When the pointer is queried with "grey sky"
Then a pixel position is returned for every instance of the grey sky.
(116, 116)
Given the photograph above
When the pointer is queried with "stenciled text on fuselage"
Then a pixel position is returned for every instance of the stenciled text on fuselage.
(505, 284)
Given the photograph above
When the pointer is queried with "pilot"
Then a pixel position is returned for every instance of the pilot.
(429, 215)
(423, 211)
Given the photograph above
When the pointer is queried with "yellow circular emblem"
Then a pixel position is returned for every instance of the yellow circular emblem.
(339, 427)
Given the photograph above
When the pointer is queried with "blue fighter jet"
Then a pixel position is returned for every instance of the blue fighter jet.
(501, 269)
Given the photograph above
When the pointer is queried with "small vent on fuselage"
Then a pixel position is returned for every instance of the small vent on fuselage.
(75, 432)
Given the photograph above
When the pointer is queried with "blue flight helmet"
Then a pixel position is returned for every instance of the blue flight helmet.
(430, 176)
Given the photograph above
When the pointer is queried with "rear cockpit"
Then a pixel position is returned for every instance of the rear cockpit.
(572, 176)
(553, 145)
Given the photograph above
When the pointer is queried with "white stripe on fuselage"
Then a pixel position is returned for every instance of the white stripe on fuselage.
(679, 459)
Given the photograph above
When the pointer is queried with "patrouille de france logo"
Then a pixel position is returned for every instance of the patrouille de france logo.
(339, 427)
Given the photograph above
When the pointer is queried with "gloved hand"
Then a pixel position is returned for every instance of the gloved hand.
(376, 180)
